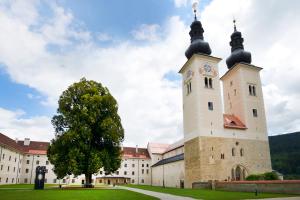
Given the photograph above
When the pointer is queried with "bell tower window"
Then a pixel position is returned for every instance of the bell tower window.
(210, 106)
(252, 90)
(254, 111)
(208, 82)
(189, 87)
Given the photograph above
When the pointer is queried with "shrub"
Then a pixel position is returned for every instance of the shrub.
(265, 176)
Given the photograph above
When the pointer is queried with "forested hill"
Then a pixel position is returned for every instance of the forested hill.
(285, 154)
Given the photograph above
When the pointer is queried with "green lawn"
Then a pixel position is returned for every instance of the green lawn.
(77, 194)
(31, 186)
(207, 194)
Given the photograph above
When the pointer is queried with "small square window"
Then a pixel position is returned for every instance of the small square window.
(254, 111)
(210, 106)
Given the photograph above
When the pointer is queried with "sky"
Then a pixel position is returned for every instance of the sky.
(136, 48)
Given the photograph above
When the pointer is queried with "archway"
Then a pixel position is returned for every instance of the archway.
(238, 172)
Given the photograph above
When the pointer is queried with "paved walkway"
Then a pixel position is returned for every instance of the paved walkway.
(284, 198)
(162, 196)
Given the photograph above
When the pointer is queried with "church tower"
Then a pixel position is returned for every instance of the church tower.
(220, 146)
(202, 107)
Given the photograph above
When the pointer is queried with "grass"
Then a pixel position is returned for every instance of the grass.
(208, 194)
(29, 186)
(65, 194)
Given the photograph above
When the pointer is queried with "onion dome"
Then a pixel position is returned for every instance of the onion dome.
(238, 54)
(198, 45)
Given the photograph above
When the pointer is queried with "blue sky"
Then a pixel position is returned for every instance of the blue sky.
(136, 48)
(115, 18)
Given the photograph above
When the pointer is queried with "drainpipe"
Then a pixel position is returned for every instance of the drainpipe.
(138, 171)
(18, 170)
(1, 154)
(31, 168)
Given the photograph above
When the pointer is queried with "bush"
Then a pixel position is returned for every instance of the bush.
(270, 176)
(265, 176)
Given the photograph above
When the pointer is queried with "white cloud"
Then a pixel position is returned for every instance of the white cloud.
(103, 37)
(147, 32)
(150, 105)
(15, 125)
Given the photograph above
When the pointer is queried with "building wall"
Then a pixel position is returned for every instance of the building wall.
(203, 160)
(168, 175)
(10, 164)
(197, 118)
(11, 161)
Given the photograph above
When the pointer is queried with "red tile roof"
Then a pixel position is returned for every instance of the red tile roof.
(130, 152)
(231, 121)
(34, 147)
(10, 143)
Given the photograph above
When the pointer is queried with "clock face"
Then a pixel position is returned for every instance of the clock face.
(207, 68)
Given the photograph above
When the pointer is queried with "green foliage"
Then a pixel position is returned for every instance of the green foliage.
(265, 176)
(255, 177)
(270, 176)
(88, 131)
(285, 154)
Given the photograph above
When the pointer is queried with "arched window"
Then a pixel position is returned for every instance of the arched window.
(210, 83)
(253, 91)
(250, 90)
(206, 82)
(233, 151)
(242, 152)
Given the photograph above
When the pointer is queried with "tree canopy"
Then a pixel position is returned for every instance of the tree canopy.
(88, 131)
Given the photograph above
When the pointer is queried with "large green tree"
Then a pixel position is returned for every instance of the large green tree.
(88, 132)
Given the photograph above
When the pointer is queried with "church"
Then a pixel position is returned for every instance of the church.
(221, 141)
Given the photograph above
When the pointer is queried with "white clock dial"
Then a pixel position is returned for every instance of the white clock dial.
(207, 68)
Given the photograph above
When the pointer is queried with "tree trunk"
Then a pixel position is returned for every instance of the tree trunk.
(88, 181)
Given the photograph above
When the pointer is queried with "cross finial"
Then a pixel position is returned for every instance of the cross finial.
(234, 24)
(195, 6)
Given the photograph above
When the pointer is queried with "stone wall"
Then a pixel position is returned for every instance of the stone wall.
(283, 187)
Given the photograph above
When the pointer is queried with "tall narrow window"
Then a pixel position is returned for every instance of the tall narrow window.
(210, 83)
(253, 91)
(242, 152)
(189, 87)
(206, 82)
(233, 151)
(254, 111)
(210, 106)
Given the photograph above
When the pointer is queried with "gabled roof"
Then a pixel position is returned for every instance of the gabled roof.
(231, 121)
(35, 147)
(10, 143)
(158, 148)
(130, 152)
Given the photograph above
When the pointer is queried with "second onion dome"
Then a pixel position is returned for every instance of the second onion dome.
(238, 55)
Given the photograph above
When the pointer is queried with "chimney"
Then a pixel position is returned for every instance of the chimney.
(26, 141)
(16, 140)
(136, 149)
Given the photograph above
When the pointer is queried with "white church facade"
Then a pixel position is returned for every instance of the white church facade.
(220, 141)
